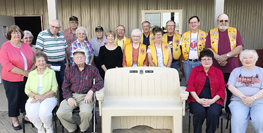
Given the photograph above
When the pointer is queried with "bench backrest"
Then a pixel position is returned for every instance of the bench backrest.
(142, 82)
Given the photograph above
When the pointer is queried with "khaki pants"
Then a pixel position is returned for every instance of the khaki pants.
(64, 113)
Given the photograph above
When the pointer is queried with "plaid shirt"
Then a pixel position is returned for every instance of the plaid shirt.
(76, 81)
(87, 48)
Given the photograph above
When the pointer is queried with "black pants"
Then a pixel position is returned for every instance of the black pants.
(211, 114)
(16, 97)
(228, 93)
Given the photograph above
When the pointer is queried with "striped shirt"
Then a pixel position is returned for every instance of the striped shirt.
(53, 47)
(87, 48)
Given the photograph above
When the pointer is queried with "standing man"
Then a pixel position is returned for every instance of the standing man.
(96, 42)
(53, 43)
(226, 43)
(70, 33)
(173, 39)
(192, 43)
(147, 37)
(121, 40)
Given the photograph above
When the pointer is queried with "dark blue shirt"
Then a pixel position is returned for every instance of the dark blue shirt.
(146, 40)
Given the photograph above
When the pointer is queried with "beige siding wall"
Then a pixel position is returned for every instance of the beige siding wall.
(25, 7)
(110, 13)
(246, 15)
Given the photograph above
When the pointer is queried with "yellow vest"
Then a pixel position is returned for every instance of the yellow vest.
(187, 40)
(165, 49)
(176, 45)
(126, 40)
(151, 38)
(214, 36)
(129, 52)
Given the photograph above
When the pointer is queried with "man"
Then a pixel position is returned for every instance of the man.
(96, 42)
(173, 39)
(147, 37)
(78, 90)
(226, 43)
(53, 43)
(192, 43)
(70, 33)
(121, 40)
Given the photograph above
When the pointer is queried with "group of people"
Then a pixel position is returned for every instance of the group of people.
(67, 64)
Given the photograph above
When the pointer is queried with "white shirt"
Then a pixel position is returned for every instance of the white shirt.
(39, 88)
(193, 49)
(159, 53)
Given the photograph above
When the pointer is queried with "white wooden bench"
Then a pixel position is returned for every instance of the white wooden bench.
(142, 96)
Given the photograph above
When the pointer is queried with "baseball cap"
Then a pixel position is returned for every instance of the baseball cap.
(98, 28)
(79, 50)
(73, 18)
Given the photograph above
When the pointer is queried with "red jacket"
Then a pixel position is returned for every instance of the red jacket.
(197, 80)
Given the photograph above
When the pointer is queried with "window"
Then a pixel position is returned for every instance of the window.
(160, 17)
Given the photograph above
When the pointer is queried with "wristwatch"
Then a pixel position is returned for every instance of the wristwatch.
(227, 55)
(255, 98)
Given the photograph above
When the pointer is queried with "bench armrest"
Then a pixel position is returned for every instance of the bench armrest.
(100, 98)
(184, 96)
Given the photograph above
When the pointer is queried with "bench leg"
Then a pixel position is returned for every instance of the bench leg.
(177, 124)
(106, 124)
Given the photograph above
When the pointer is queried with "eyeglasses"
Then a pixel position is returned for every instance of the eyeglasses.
(158, 34)
(28, 37)
(79, 57)
(221, 21)
(120, 30)
(193, 23)
(81, 33)
(204, 60)
(170, 25)
(136, 36)
(55, 27)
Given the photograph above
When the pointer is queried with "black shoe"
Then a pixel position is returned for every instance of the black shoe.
(17, 127)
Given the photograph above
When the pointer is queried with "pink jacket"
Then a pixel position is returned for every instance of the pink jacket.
(10, 57)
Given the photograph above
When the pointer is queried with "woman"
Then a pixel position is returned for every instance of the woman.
(41, 88)
(16, 61)
(134, 54)
(110, 55)
(28, 38)
(159, 53)
(207, 88)
(83, 44)
(246, 83)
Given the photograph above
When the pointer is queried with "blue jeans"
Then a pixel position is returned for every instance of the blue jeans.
(59, 76)
(242, 113)
(176, 65)
(188, 66)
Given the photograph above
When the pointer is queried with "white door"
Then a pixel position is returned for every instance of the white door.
(5, 22)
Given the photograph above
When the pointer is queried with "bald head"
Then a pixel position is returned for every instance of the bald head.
(223, 22)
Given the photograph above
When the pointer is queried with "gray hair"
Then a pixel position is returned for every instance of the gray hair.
(171, 21)
(221, 15)
(83, 28)
(248, 51)
(120, 25)
(136, 31)
(146, 22)
(27, 32)
(57, 21)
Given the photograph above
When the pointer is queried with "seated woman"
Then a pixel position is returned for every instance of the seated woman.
(83, 44)
(159, 53)
(207, 88)
(134, 54)
(246, 83)
(41, 88)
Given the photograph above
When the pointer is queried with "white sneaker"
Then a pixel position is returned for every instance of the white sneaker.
(41, 130)
(50, 129)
